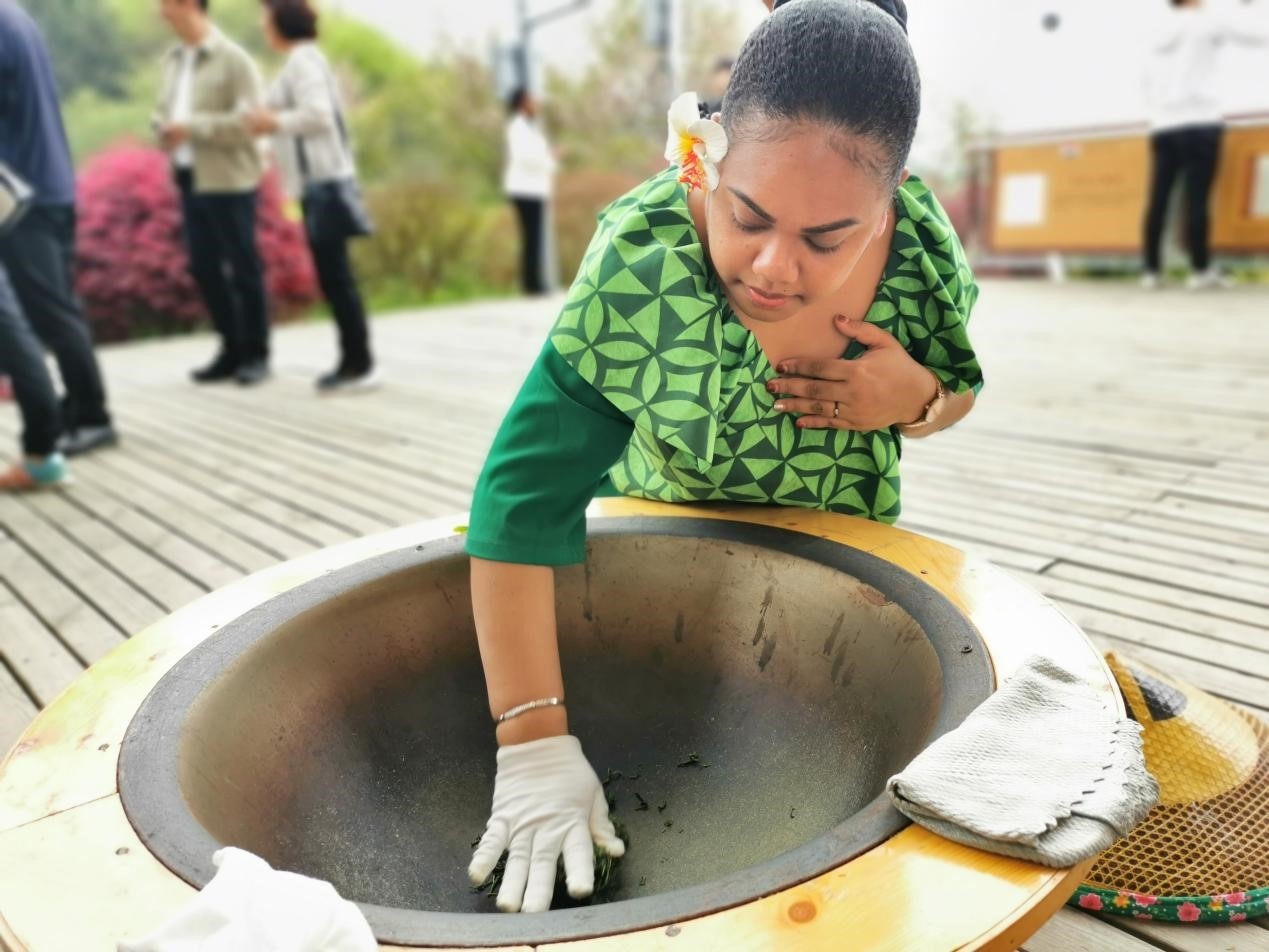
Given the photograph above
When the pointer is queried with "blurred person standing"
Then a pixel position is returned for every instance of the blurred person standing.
(315, 159)
(209, 84)
(22, 359)
(38, 251)
(527, 182)
(1186, 128)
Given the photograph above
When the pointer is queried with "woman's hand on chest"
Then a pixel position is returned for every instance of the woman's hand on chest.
(882, 387)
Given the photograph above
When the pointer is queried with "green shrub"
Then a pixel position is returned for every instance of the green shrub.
(432, 243)
(580, 195)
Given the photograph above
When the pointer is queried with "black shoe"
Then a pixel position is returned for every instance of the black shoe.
(252, 372)
(85, 439)
(224, 367)
(349, 381)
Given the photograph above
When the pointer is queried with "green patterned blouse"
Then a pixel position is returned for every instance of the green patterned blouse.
(650, 378)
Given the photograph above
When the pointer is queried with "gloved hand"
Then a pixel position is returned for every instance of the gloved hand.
(547, 800)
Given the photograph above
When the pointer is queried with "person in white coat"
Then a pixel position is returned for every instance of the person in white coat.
(1186, 128)
(527, 182)
(311, 147)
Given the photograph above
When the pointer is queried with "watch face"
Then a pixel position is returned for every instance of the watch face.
(935, 409)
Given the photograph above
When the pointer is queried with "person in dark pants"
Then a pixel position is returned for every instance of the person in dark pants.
(209, 83)
(531, 214)
(22, 359)
(527, 183)
(38, 252)
(1191, 154)
(220, 235)
(1186, 128)
(311, 147)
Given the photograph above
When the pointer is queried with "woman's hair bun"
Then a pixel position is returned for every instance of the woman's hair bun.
(896, 8)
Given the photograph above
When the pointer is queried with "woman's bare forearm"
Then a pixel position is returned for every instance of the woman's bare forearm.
(514, 609)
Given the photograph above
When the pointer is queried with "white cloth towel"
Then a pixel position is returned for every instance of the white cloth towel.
(251, 907)
(1043, 770)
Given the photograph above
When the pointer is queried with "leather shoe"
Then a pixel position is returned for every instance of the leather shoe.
(85, 439)
(223, 367)
(252, 372)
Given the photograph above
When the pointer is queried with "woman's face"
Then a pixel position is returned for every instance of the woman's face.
(271, 34)
(790, 219)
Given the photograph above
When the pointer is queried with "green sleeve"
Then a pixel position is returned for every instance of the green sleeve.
(930, 292)
(551, 454)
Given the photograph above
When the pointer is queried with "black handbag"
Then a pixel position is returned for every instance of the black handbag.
(334, 210)
(16, 198)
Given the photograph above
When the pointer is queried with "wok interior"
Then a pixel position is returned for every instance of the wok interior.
(740, 701)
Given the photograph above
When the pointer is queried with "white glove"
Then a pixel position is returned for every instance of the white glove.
(547, 800)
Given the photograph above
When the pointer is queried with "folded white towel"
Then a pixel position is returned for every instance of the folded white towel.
(251, 907)
(1043, 770)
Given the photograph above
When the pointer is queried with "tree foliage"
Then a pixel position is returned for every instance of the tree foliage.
(88, 50)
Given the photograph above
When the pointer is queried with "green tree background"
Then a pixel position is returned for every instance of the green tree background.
(428, 132)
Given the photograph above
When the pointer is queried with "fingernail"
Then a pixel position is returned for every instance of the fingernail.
(773, 386)
(782, 367)
(781, 405)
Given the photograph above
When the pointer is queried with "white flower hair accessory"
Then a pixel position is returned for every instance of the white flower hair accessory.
(695, 145)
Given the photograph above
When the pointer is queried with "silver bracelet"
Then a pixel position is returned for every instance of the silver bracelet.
(528, 706)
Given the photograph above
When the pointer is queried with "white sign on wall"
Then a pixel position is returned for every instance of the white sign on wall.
(1024, 200)
(1260, 187)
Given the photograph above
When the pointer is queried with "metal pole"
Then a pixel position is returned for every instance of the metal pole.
(528, 24)
(674, 62)
(525, 58)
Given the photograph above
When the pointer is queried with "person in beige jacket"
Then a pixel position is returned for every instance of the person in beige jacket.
(208, 84)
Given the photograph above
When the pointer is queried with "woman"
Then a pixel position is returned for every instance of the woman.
(303, 112)
(527, 182)
(721, 342)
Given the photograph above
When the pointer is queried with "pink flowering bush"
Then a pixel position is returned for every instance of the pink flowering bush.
(132, 268)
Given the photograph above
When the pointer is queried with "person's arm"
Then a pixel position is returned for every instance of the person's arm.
(1247, 27)
(9, 85)
(226, 128)
(310, 109)
(161, 113)
(550, 456)
(551, 453)
(514, 608)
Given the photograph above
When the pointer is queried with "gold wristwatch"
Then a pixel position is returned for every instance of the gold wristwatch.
(933, 410)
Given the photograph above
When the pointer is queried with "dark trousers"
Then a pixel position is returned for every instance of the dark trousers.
(22, 359)
(339, 285)
(39, 256)
(1192, 152)
(220, 235)
(532, 215)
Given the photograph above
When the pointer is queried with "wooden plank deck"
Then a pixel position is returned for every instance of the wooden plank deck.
(1118, 462)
